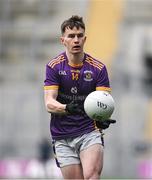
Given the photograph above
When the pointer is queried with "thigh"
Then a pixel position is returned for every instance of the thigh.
(65, 154)
(92, 160)
(68, 160)
(72, 171)
(91, 154)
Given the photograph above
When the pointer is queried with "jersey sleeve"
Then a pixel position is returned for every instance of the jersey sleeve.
(103, 80)
(51, 81)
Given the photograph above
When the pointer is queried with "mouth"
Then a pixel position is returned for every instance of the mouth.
(76, 47)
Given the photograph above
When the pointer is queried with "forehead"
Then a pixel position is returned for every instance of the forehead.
(73, 31)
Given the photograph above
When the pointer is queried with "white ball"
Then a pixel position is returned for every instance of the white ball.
(99, 105)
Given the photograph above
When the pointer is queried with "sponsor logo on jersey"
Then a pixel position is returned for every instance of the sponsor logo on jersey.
(88, 75)
(62, 72)
(74, 90)
(72, 97)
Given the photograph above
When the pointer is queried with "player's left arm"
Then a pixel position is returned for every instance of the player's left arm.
(103, 84)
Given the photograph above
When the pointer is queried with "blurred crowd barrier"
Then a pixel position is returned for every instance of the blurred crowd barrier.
(33, 168)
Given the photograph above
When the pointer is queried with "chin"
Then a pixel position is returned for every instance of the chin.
(76, 52)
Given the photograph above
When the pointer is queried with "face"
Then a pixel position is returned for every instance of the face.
(73, 40)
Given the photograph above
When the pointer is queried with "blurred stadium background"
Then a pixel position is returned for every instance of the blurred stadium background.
(120, 33)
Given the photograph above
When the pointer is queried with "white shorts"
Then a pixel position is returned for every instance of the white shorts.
(67, 150)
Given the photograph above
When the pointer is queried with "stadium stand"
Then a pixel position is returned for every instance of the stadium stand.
(29, 35)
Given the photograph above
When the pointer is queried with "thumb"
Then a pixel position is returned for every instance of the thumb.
(111, 120)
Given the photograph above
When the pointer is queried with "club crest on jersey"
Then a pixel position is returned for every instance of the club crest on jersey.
(62, 72)
(74, 90)
(88, 75)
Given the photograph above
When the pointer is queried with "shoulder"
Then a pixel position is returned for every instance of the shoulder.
(56, 61)
(94, 62)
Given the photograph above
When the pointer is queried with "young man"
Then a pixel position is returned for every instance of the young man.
(70, 77)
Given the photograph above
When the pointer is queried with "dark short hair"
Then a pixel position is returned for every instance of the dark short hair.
(74, 21)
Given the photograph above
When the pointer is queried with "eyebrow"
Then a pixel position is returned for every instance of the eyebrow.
(74, 34)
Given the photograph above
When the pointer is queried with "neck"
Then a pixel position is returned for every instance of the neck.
(75, 58)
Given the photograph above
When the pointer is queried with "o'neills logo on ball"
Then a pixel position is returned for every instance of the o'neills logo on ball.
(88, 75)
(101, 105)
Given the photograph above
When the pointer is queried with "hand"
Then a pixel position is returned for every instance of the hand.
(105, 124)
(74, 108)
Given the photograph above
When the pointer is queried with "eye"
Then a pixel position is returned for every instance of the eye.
(80, 35)
(71, 35)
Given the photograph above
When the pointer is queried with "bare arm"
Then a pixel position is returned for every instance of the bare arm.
(52, 105)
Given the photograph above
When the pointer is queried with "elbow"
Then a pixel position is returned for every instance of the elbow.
(48, 109)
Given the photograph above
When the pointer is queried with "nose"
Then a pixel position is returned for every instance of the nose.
(76, 39)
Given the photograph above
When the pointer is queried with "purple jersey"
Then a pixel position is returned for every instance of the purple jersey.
(74, 83)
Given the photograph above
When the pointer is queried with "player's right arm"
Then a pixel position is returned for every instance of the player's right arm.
(51, 86)
(51, 104)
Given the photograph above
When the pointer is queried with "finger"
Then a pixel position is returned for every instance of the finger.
(72, 102)
(111, 120)
(81, 112)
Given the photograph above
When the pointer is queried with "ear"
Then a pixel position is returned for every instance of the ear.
(62, 40)
(85, 39)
